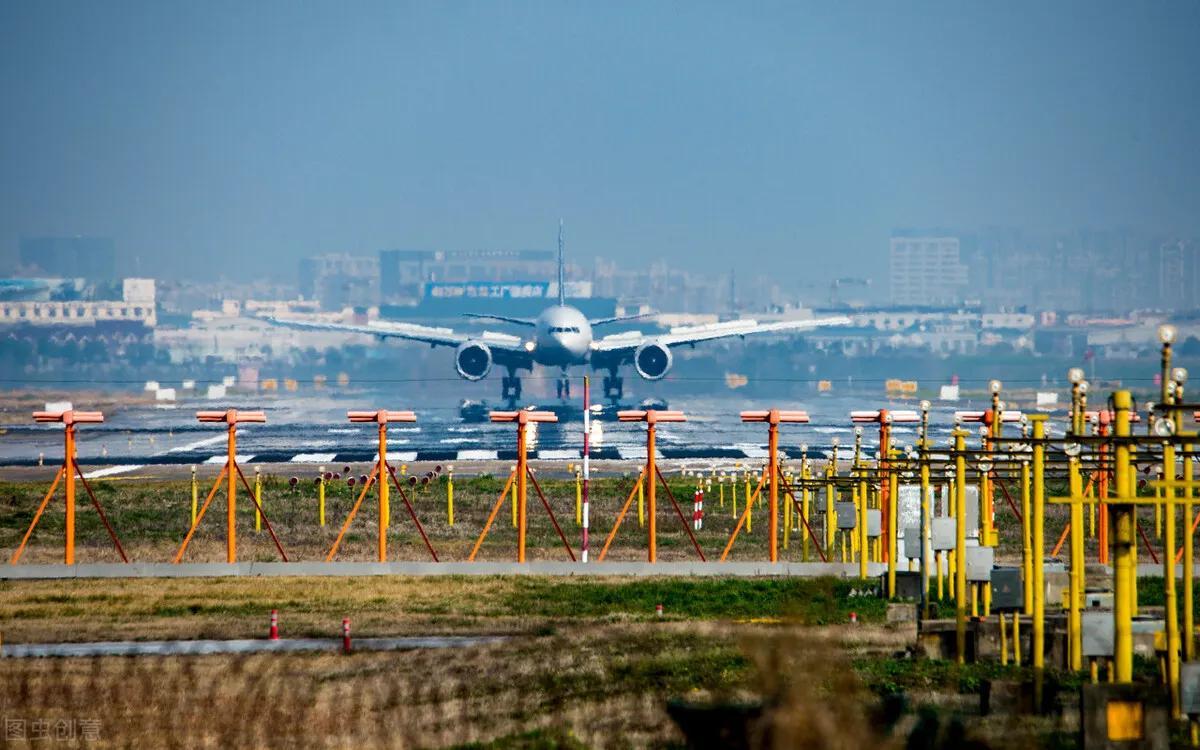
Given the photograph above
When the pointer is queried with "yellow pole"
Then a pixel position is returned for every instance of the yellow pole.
(749, 506)
(787, 517)
(830, 510)
(641, 502)
(960, 546)
(937, 560)
(1004, 641)
(733, 485)
(1017, 638)
(1172, 605)
(805, 510)
(864, 544)
(1189, 551)
(514, 500)
(258, 499)
(1123, 543)
(721, 488)
(195, 495)
(1039, 547)
(321, 497)
(578, 499)
(893, 480)
(925, 523)
(1076, 578)
(450, 498)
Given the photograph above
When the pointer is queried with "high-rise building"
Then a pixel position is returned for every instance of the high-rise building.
(925, 270)
(404, 273)
(70, 257)
(340, 281)
(1178, 275)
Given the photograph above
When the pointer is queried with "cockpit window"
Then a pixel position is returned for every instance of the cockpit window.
(564, 329)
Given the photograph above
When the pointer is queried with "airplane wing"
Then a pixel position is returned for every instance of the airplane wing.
(507, 349)
(621, 346)
(382, 329)
(618, 319)
(503, 319)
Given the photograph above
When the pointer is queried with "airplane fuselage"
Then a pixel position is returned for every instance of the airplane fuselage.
(562, 337)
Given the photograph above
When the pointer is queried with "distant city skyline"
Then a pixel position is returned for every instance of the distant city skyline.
(233, 139)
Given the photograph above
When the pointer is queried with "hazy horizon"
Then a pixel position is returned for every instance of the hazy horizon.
(235, 138)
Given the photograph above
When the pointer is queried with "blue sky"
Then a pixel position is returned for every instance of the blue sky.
(794, 136)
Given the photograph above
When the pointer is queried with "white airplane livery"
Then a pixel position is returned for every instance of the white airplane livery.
(561, 336)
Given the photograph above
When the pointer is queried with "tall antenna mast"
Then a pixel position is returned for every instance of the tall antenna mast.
(562, 290)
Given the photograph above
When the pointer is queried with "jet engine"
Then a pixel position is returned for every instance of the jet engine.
(652, 360)
(473, 360)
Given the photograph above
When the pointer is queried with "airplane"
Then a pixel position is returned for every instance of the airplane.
(562, 337)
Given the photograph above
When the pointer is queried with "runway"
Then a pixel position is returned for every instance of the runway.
(304, 430)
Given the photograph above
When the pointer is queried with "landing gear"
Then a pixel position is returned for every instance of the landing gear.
(510, 390)
(564, 388)
(614, 387)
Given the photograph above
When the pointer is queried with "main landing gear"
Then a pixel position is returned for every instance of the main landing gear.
(510, 390)
(614, 387)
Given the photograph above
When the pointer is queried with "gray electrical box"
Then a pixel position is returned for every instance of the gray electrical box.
(1008, 593)
(1097, 634)
(1098, 600)
(979, 564)
(845, 515)
(942, 533)
(912, 543)
(874, 522)
(1189, 687)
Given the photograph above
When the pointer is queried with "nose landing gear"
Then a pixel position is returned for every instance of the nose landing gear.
(564, 388)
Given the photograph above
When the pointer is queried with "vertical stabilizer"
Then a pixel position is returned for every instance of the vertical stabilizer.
(562, 290)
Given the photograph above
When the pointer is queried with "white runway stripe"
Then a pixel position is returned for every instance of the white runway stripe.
(313, 458)
(558, 454)
(111, 470)
(221, 459)
(477, 455)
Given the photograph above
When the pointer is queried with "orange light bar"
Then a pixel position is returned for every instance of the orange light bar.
(524, 416)
(893, 416)
(382, 416)
(68, 417)
(775, 416)
(651, 416)
(231, 416)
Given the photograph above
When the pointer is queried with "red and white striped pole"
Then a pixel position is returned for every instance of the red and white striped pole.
(587, 438)
(658, 610)
(345, 635)
(274, 625)
(698, 509)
